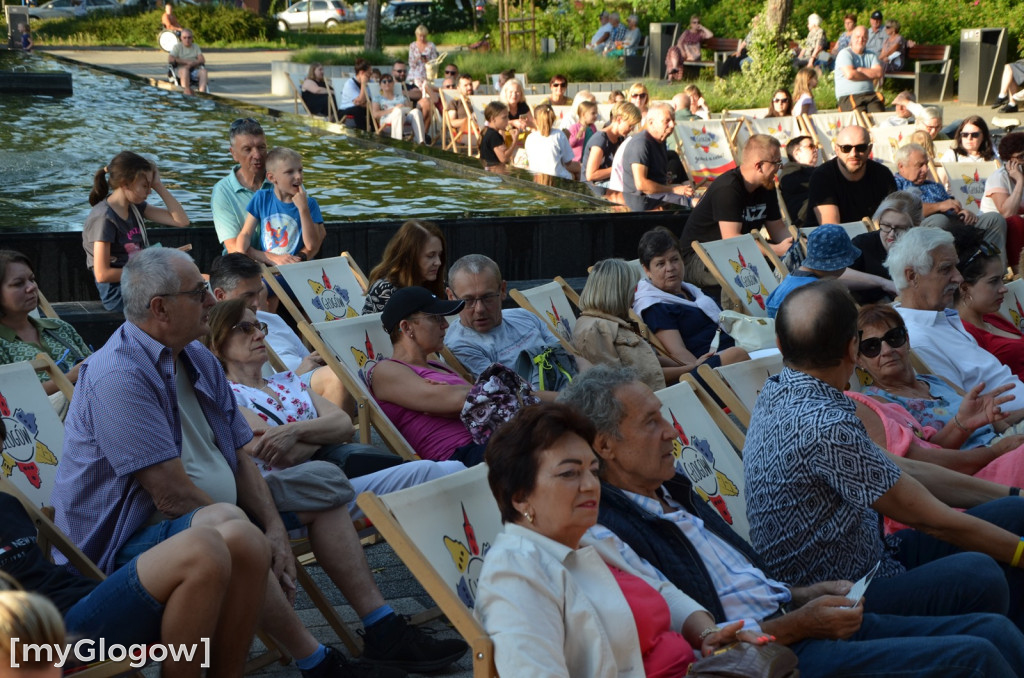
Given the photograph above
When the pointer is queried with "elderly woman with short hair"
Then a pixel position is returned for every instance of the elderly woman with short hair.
(896, 214)
(421, 51)
(519, 116)
(923, 266)
(558, 603)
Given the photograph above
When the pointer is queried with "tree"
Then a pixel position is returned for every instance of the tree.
(371, 40)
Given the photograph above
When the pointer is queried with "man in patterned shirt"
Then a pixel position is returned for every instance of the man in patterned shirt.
(817, 484)
(663, 528)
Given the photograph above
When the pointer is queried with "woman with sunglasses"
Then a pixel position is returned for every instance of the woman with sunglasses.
(393, 110)
(687, 48)
(781, 105)
(971, 143)
(639, 97)
(923, 417)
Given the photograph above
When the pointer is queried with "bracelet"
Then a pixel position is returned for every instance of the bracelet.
(956, 420)
(1013, 563)
(1014, 491)
(714, 627)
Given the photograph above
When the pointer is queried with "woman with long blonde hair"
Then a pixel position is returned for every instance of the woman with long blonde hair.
(548, 149)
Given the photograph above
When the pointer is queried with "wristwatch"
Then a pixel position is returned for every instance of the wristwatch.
(302, 256)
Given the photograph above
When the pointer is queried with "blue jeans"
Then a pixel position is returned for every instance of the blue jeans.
(965, 646)
(941, 579)
(149, 536)
(110, 296)
(119, 610)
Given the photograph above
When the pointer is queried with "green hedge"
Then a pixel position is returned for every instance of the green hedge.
(575, 65)
(332, 58)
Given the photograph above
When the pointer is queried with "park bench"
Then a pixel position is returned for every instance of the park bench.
(720, 49)
(929, 85)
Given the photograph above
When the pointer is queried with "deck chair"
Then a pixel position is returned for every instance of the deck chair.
(824, 127)
(295, 80)
(941, 146)
(336, 86)
(442, 531)
(1013, 303)
(967, 181)
(852, 228)
(782, 128)
(703, 452)
(707, 148)
(454, 140)
(493, 79)
(349, 346)
(737, 385)
(43, 309)
(550, 303)
(326, 289)
(741, 269)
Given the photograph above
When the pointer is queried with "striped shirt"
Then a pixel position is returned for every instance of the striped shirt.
(124, 418)
(745, 592)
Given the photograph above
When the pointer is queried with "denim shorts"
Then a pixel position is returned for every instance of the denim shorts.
(120, 610)
(149, 536)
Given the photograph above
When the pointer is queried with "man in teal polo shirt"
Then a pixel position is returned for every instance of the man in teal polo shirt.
(231, 195)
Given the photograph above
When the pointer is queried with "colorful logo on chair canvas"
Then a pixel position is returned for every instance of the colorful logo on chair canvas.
(695, 459)
(703, 139)
(973, 189)
(560, 324)
(22, 448)
(468, 557)
(333, 301)
(748, 279)
(367, 358)
(1017, 315)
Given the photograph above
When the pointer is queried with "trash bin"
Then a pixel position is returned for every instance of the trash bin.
(660, 41)
(982, 57)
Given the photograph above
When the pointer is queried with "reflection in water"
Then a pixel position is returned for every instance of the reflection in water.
(50, 148)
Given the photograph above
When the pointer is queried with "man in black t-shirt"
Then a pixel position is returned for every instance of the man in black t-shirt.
(740, 201)
(645, 163)
(850, 186)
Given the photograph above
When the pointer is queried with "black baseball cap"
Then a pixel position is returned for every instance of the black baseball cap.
(408, 300)
(876, 15)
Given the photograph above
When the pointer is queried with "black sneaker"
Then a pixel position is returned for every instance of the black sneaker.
(335, 665)
(1009, 108)
(1001, 101)
(397, 643)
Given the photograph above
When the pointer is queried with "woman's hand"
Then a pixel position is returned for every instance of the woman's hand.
(980, 409)
(732, 633)
(157, 184)
(275, 445)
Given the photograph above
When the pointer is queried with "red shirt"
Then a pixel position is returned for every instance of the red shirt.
(1010, 352)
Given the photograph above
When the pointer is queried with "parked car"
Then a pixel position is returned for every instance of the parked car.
(325, 13)
(403, 11)
(62, 9)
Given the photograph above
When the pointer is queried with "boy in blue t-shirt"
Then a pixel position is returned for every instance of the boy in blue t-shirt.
(290, 225)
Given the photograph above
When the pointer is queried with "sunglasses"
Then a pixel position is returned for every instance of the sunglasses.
(447, 72)
(245, 122)
(870, 348)
(637, 96)
(970, 135)
(558, 84)
(449, 87)
(398, 72)
(780, 101)
(386, 81)
(984, 250)
(248, 327)
(859, 148)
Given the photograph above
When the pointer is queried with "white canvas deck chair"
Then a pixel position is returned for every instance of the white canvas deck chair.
(885, 140)
(707, 148)
(782, 128)
(738, 385)
(705, 455)
(326, 289)
(1013, 303)
(452, 139)
(442, 531)
(550, 303)
(967, 181)
(852, 228)
(823, 128)
(741, 269)
(350, 347)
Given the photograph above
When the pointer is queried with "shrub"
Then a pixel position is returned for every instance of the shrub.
(335, 58)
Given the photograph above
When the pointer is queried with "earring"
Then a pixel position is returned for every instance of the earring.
(529, 518)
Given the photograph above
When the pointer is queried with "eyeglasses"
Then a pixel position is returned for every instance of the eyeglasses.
(870, 348)
(984, 250)
(887, 229)
(186, 36)
(849, 148)
(250, 125)
(198, 294)
(776, 163)
(248, 327)
(452, 72)
(486, 299)
(970, 135)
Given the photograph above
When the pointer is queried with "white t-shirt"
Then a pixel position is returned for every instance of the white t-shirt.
(1000, 181)
(951, 156)
(618, 166)
(548, 154)
(283, 340)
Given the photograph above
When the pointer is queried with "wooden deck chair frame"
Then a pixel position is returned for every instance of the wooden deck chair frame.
(45, 306)
(368, 411)
(270, 274)
(296, 85)
(458, 614)
(721, 419)
(702, 253)
(770, 254)
(523, 302)
(450, 138)
(725, 391)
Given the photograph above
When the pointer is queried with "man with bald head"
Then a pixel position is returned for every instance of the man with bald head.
(645, 160)
(851, 185)
(856, 71)
(738, 202)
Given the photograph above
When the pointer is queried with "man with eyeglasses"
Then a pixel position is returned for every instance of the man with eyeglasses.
(485, 334)
(158, 446)
(856, 71)
(231, 195)
(187, 59)
(940, 208)
(738, 202)
(849, 186)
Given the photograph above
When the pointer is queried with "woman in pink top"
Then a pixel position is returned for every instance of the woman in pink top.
(421, 397)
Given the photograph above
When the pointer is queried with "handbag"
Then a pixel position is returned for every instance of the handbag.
(751, 333)
(493, 400)
(550, 369)
(743, 660)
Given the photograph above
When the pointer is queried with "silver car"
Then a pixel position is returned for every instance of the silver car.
(62, 9)
(325, 13)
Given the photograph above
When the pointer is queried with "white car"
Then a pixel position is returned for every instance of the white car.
(62, 9)
(325, 13)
